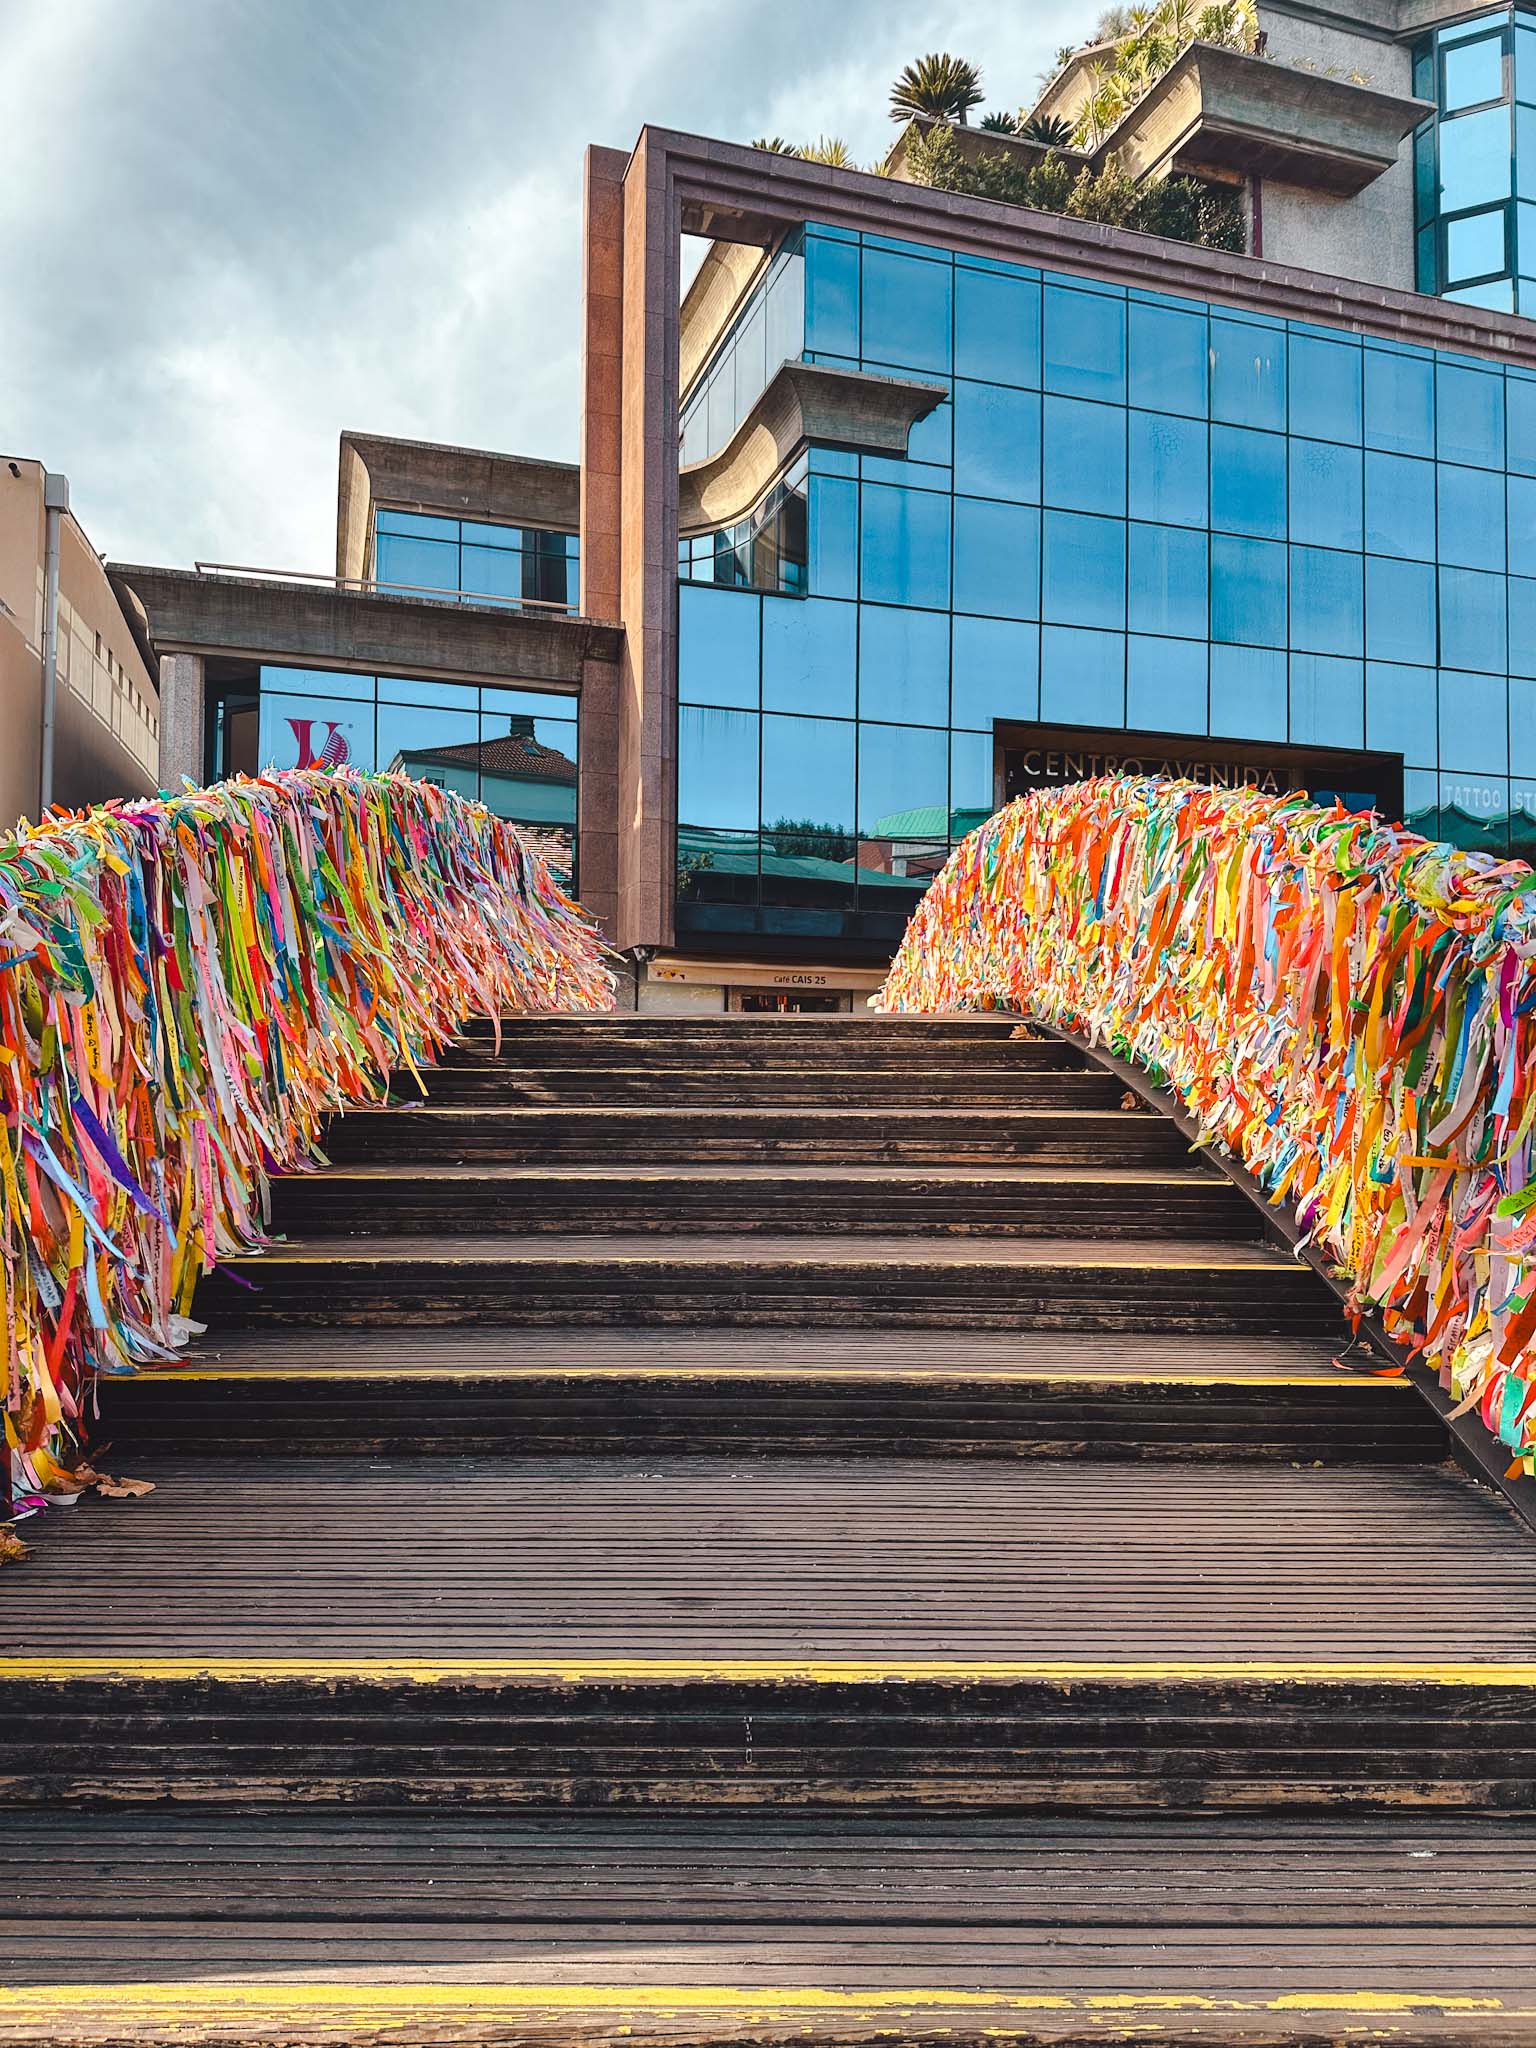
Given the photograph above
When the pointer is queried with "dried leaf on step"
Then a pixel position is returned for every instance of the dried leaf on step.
(1028, 1033)
(123, 1489)
(1131, 1100)
(12, 1549)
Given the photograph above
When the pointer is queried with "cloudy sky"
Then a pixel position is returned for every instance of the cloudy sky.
(229, 228)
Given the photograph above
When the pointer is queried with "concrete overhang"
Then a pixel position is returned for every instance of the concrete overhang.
(1225, 112)
(723, 280)
(804, 404)
(455, 483)
(315, 625)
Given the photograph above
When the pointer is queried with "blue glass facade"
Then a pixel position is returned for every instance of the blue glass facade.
(1475, 162)
(1132, 513)
(518, 566)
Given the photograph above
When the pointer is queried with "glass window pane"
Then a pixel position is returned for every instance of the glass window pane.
(401, 563)
(1084, 468)
(423, 525)
(1498, 297)
(996, 671)
(1400, 610)
(906, 311)
(543, 706)
(1165, 685)
(312, 730)
(903, 665)
(1083, 573)
(1084, 344)
(785, 330)
(1525, 59)
(1474, 810)
(1475, 246)
(808, 773)
(1247, 373)
(1248, 590)
(1167, 591)
(1248, 485)
(1522, 627)
(831, 298)
(321, 682)
(1471, 72)
(1471, 517)
(1474, 160)
(997, 558)
(1325, 381)
(808, 655)
(495, 573)
(415, 690)
(1470, 416)
(717, 648)
(904, 546)
(832, 536)
(717, 768)
(750, 350)
(1327, 602)
(1400, 712)
(1399, 402)
(1248, 693)
(1474, 722)
(489, 534)
(1169, 359)
(1326, 494)
(997, 442)
(903, 782)
(997, 327)
(972, 780)
(1082, 676)
(1169, 468)
(1400, 506)
(1522, 734)
(1327, 701)
(930, 439)
(528, 768)
(1522, 519)
(1472, 620)
(430, 743)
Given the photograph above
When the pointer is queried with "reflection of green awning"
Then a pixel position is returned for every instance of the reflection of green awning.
(930, 822)
(729, 855)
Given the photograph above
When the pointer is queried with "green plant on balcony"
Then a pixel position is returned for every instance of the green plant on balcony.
(1146, 42)
(938, 85)
(1050, 129)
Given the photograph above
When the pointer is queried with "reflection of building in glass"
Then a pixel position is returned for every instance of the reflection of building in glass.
(909, 494)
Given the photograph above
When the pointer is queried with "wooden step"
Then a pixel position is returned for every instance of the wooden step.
(525, 1631)
(702, 1392)
(817, 1084)
(598, 1929)
(1190, 1285)
(978, 1201)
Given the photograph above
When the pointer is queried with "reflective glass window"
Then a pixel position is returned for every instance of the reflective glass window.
(972, 778)
(1399, 402)
(750, 353)
(1248, 693)
(1474, 722)
(996, 671)
(1247, 373)
(1082, 676)
(832, 536)
(1248, 482)
(906, 306)
(1400, 610)
(1476, 246)
(1325, 393)
(1471, 517)
(1474, 810)
(1168, 465)
(1248, 579)
(492, 572)
(1522, 626)
(1167, 590)
(1326, 501)
(405, 563)
(1165, 684)
(1327, 701)
(903, 770)
(423, 525)
(809, 660)
(1400, 711)
(1474, 159)
(1327, 601)
(1520, 398)
(431, 743)
(1522, 519)
(930, 439)
(997, 558)
(1471, 71)
(904, 546)
(1084, 469)
(444, 696)
(1400, 506)
(785, 333)
(717, 647)
(1522, 734)
(1169, 358)
(1472, 620)
(1498, 297)
(306, 729)
(808, 772)
(997, 327)
(1083, 572)
(831, 297)
(1470, 416)
(320, 682)
(903, 665)
(1084, 344)
(997, 442)
(717, 761)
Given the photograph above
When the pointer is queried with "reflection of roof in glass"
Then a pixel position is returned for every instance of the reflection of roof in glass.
(928, 821)
(512, 754)
(736, 854)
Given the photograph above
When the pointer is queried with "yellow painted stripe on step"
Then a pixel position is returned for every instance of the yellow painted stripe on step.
(128, 2004)
(787, 1670)
(894, 1378)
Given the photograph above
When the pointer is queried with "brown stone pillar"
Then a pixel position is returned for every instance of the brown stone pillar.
(597, 793)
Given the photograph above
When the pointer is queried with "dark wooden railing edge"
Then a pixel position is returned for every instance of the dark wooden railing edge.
(1477, 1451)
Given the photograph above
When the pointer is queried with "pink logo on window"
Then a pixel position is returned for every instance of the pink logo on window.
(333, 752)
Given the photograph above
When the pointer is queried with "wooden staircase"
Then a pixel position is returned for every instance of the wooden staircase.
(770, 1529)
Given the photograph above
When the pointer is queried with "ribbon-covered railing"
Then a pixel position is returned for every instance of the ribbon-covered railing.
(187, 987)
(1348, 1009)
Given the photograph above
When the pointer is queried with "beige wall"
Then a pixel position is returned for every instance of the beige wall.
(106, 739)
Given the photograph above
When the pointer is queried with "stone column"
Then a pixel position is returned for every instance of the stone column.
(597, 821)
(181, 719)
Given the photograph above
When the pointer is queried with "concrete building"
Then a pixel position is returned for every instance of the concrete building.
(919, 496)
(106, 735)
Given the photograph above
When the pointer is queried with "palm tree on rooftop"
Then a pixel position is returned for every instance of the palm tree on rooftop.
(1054, 130)
(937, 85)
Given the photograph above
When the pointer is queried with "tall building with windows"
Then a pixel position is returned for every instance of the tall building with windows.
(918, 495)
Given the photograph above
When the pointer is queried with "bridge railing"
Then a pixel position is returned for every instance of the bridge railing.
(1348, 1009)
(188, 986)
